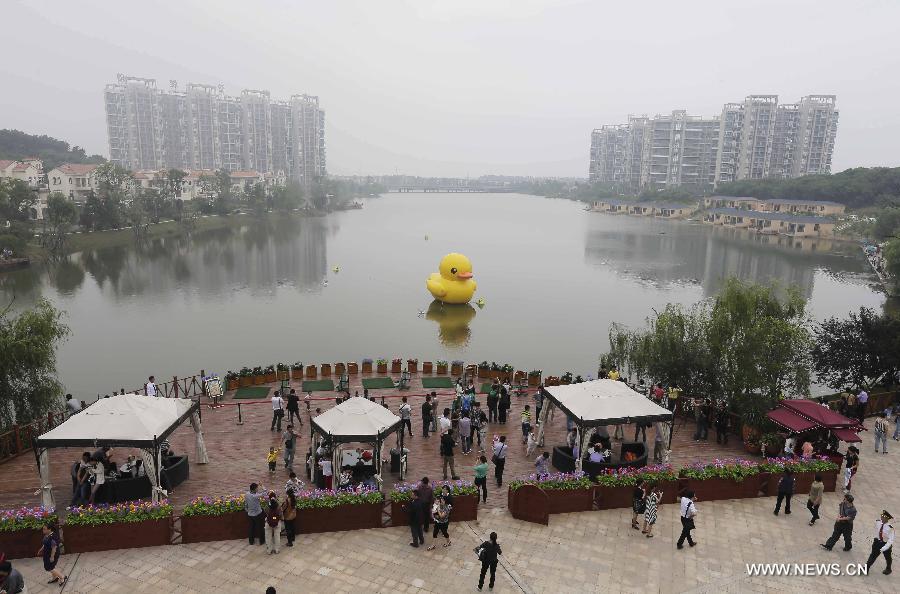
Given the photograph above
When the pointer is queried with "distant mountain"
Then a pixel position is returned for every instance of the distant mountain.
(19, 145)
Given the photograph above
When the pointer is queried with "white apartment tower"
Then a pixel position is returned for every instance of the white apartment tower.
(755, 139)
(202, 128)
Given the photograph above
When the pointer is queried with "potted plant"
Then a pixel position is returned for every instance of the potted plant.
(412, 365)
(353, 367)
(442, 368)
(381, 365)
(566, 378)
(332, 511)
(312, 372)
(259, 376)
(270, 374)
(484, 370)
(232, 380)
(367, 366)
(326, 369)
(20, 530)
(396, 365)
(578, 379)
(245, 377)
(615, 485)
(207, 519)
(566, 491)
(297, 371)
(456, 368)
(282, 372)
(520, 378)
(551, 380)
(804, 470)
(722, 479)
(506, 372)
(127, 525)
(464, 493)
(427, 368)
(495, 370)
(534, 377)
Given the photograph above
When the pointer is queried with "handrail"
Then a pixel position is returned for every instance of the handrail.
(17, 440)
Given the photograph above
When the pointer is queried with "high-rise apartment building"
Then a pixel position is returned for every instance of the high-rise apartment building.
(755, 139)
(202, 128)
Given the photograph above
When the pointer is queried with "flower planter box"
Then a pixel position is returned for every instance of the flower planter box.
(339, 369)
(529, 503)
(311, 372)
(612, 497)
(505, 376)
(297, 373)
(563, 501)
(552, 380)
(232, 384)
(353, 368)
(802, 482)
(326, 369)
(484, 372)
(716, 489)
(427, 368)
(258, 380)
(534, 380)
(282, 374)
(455, 369)
(412, 366)
(122, 535)
(829, 479)
(245, 380)
(339, 518)
(20, 544)
(367, 367)
(212, 528)
(520, 377)
(382, 368)
(465, 509)
(670, 492)
(442, 370)
(396, 366)
(270, 377)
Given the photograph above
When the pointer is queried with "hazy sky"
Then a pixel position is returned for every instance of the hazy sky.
(462, 87)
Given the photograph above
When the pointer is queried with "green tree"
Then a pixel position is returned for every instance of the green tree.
(216, 191)
(891, 251)
(29, 388)
(287, 198)
(887, 224)
(61, 214)
(858, 351)
(16, 200)
(102, 209)
(255, 196)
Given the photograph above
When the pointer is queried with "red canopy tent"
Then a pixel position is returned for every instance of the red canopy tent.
(803, 415)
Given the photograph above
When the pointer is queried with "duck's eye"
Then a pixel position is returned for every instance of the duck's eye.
(453, 271)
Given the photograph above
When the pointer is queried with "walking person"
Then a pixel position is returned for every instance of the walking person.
(426, 494)
(440, 513)
(293, 407)
(273, 524)
(417, 511)
(479, 426)
(488, 552)
(465, 432)
(11, 581)
(688, 513)
(638, 503)
(50, 552)
(499, 459)
(881, 430)
(447, 445)
(150, 387)
(289, 515)
(253, 507)
(896, 435)
(503, 405)
(722, 419)
(851, 466)
(290, 446)
(785, 492)
(526, 423)
(406, 415)
(434, 412)
(862, 401)
(480, 481)
(843, 526)
(493, 400)
(542, 464)
(815, 498)
(883, 542)
(658, 444)
(651, 509)
(426, 416)
(277, 410)
(327, 472)
(272, 459)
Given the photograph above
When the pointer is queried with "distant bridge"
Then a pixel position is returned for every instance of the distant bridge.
(448, 189)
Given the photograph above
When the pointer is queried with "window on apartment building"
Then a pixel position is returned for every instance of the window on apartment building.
(70, 180)
(816, 227)
(801, 228)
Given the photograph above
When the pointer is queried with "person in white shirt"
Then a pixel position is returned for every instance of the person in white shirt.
(883, 542)
(327, 472)
(499, 458)
(73, 406)
(688, 512)
(293, 484)
(99, 472)
(277, 410)
(444, 421)
(406, 415)
(790, 444)
(150, 388)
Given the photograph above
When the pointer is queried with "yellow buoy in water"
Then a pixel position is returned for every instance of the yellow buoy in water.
(426, 238)
(336, 269)
(480, 303)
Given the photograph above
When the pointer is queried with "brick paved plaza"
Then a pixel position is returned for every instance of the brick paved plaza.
(583, 552)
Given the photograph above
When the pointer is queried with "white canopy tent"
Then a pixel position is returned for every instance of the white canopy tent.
(356, 420)
(603, 402)
(128, 420)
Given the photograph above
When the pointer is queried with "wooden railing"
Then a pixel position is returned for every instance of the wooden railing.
(18, 439)
(185, 387)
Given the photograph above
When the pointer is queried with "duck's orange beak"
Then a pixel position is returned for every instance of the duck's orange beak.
(464, 275)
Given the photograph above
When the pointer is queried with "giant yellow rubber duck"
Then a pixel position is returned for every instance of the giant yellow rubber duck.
(453, 284)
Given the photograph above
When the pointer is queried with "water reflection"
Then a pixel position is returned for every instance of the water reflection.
(453, 322)
(665, 252)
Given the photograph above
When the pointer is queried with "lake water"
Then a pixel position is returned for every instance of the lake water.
(553, 278)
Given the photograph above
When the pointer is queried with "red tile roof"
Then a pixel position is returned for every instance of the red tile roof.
(244, 174)
(4, 163)
(76, 168)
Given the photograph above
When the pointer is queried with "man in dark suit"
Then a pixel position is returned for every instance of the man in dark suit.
(417, 511)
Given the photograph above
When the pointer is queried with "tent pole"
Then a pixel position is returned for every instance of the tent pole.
(580, 446)
(545, 412)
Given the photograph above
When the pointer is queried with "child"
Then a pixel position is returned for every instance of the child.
(526, 423)
(306, 399)
(272, 459)
(532, 443)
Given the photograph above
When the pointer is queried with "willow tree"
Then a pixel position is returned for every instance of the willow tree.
(28, 385)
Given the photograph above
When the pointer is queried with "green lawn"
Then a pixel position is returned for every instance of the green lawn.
(376, 383)
(251, 393)
(318, 386)
(437, 382)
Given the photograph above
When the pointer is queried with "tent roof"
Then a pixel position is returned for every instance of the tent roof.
(791, 420)
(818, 414)
(356, 419)
(125, 420)
(846, 435)
(606, 402)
